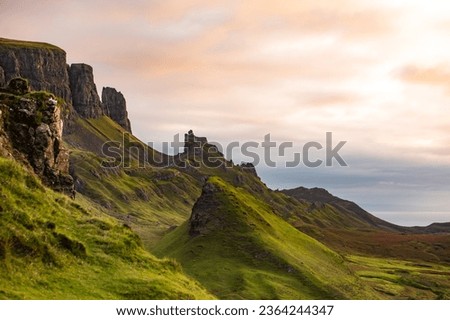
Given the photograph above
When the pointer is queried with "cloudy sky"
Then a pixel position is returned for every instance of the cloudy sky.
(375, 73)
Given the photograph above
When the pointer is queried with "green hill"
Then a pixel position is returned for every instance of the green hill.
(237, 248)
(155, 200)
(150, 199)
(52, 247)
(347, 228)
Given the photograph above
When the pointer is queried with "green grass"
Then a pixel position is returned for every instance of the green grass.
(54, 248)
(401, 279)
(258, 253)
(247, 252)
(149, 200)
(10, 43)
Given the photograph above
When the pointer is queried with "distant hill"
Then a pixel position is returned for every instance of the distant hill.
(345, 226)
(340, 213)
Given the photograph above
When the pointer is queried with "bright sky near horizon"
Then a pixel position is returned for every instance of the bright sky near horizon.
(375, 73)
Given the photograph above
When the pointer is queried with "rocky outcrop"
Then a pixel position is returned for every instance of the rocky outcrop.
(249, 168)
(44, 65)
(198, 152)
(85, 99)
(205, 218)
(31, 130)
(46, 69)
(116, 107)
(194, 144)
(18, 86)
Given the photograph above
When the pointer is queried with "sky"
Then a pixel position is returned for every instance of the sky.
(374, 73)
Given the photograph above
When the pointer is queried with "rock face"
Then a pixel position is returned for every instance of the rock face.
(116, 107)
(46, 69)
(205, 218)
(249, 167)
(85, 99)
(44, 65)
(18, 86)
(194, 144)
(31, 132)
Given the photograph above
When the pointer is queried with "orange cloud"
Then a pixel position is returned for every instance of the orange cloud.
(254, 64)
(436, 76)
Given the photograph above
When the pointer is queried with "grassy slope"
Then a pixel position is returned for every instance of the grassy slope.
(150, 200)
(154, 200)
(10, 43)
(255, 254)
(401, 279)
(54, 248)
(347, 228)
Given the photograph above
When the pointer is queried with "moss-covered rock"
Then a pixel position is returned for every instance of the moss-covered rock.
(30, 123)
(18, 86)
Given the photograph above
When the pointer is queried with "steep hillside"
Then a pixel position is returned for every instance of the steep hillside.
(150, 199)
(236, 247)
(52, 247)
(151, 192)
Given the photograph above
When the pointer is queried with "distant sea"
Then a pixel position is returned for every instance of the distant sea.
(409, 219)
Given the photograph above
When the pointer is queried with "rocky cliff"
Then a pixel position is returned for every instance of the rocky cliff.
(116, 107)
(85, 99)
(44, 66)
(31, 132)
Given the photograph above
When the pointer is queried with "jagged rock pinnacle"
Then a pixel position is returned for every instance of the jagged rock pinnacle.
(85, 99)
(116, 107)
